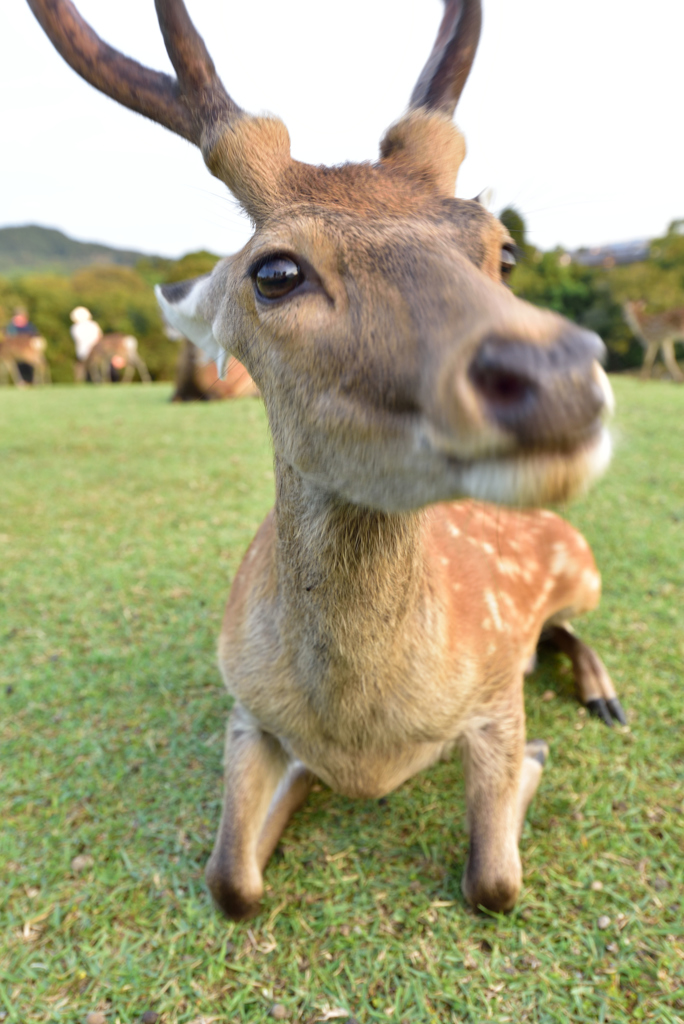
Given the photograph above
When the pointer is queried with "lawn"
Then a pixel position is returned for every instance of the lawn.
(122, 521)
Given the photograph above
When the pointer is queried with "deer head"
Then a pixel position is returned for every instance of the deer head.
(370, 305)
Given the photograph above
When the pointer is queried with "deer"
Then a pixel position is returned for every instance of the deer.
(26, 349)
(119, 351)
(656, 332)
(422, 416)
(198, 379)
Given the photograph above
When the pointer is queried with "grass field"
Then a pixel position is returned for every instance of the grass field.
(122, 521)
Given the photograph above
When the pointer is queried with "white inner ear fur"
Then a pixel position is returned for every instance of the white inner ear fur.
(190, 316)
(485, 197)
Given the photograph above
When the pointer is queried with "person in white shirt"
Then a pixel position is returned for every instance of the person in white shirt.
(85, 333)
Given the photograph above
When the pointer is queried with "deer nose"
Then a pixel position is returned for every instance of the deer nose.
(543, 394)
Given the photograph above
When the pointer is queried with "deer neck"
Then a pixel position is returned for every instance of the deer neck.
(348, 577)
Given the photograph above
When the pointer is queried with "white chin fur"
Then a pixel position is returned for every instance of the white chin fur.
(538, 478)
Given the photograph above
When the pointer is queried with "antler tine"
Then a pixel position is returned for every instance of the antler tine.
(441, 81)
(195, 69)
(184, 108)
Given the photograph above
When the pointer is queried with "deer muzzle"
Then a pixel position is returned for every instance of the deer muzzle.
(547, 397)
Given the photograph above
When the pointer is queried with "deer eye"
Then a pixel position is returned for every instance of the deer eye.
(508, 262)
(277, 276)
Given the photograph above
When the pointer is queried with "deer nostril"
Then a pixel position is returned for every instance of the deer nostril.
(502, 387)
(543, 394)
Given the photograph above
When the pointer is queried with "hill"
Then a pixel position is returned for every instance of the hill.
(30, 247)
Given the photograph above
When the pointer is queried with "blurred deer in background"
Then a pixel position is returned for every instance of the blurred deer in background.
(26, 350)
(376, 623)
(656, 332)
(117, 351)
(198, 378)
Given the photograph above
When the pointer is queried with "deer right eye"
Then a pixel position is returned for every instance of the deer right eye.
(277, 277)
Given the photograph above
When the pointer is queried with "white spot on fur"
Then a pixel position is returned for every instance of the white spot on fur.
(508, 567)
(444, 561)
(509, 602)
(591, 579)
(559, 558)
(454, 530)
(493, 606)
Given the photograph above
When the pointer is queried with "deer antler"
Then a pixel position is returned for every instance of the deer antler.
(197, 100)
(441, 81)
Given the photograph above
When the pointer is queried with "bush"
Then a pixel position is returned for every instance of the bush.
(593, 296)
(120, 298)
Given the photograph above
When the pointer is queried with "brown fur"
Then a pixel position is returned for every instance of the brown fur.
(110, 346)
(367, 634)
(657, 332)
(20, 348)
(197, 380)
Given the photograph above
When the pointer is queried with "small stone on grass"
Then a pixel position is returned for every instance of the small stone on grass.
(596, 885)
(603, 922)
(548, 695)
(96, 1017)
(279, 1012)
(149, 1017)
(81, 863)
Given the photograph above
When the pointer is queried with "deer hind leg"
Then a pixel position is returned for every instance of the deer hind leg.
(594, 686)
(502, 775)
(263, 788)
(142, 370)
(650, 358)
(17, 378)
(670, 360)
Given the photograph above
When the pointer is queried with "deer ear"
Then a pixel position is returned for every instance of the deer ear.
(425, 145)
(189, 306)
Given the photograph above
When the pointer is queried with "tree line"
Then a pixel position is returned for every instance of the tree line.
(121, 298)
(593, 296)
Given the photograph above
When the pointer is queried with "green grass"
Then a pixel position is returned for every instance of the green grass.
(122, 521)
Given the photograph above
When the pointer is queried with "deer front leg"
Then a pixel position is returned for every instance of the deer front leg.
(502, 774)
(263, 787)
(649, 359)
(594, 686)
(670, 360)
(143, 372)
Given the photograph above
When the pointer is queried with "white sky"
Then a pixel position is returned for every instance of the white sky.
(572, 113)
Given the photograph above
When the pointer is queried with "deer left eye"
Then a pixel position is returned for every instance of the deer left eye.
(508, 262)
(277, 277)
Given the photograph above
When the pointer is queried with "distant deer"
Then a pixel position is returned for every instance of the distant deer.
(656, 331)
(119, 351)
(376, 623)
(27, 349)
(199, 379)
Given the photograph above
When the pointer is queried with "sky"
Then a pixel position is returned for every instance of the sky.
(572, 113)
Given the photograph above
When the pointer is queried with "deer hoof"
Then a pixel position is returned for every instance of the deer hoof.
(617, 711)
(607, 709)
(234, 904)
(498, 895)
(537, 749)
(599, 709)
